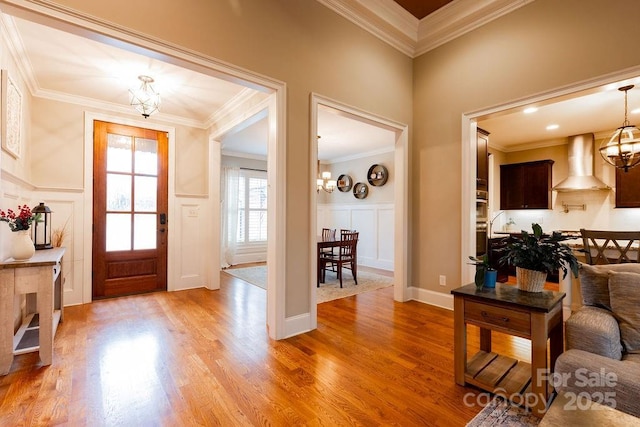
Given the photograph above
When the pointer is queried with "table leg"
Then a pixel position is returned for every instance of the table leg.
(556, 340)
(459, 340)
(45, 312)
(6, 320)
(485, 340)
(539, 371)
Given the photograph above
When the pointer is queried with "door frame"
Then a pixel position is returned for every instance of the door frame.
(70, 20)
(401, 288)
(89, 118)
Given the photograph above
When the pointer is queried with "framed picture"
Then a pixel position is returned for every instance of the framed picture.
(11, 123)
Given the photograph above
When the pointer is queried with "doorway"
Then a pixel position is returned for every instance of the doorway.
(130, 210)
(400, 189)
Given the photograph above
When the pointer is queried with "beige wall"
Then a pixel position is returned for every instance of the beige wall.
(57, 151)
(544, 45)
(299, 42)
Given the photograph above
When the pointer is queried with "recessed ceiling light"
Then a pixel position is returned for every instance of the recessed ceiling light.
(553, 127)
(530, 110)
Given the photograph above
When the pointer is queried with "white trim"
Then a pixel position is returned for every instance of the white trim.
(437, 299)
(296, 325)
(215, 160)
(401, 196)
(389, 22)
(89, 118)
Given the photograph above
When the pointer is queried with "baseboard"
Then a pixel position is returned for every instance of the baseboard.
(437, 299)
(296, 325)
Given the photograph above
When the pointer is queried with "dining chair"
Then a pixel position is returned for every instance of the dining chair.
(345, 258)
(610, 247)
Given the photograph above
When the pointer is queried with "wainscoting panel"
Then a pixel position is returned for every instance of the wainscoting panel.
(67, 212)
(193, 248)
(373, 221)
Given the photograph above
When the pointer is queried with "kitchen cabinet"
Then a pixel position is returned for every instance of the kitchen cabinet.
(482, 161)
(628, 188)
(526, 185)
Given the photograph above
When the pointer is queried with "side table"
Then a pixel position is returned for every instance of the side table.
(506, 309)
(40, 278)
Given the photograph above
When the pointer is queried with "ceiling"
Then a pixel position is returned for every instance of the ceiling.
(62, 66)
(66, 67)
(422, 8)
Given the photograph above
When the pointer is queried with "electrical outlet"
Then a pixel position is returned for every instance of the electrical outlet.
(443, 280)
(541, 220)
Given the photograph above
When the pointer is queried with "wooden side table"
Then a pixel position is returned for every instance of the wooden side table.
(506, 309)
(40, 278)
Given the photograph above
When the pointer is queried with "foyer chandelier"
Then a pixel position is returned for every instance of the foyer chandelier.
(623, 148)
(144, 99)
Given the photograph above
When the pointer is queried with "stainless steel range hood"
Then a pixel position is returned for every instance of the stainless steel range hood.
(581, 166)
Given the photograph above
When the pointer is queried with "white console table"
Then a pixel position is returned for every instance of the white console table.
(40, 278)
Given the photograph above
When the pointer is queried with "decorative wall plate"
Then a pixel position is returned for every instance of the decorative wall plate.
(360, 190)
(377, 175)
(344, 183)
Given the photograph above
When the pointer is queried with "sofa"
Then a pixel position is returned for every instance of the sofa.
(602, 339)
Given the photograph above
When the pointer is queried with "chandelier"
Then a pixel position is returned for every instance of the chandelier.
(623, 148)
(326, 183)
(144, 99)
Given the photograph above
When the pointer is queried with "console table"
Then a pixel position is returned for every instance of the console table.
(535, 316)
(40, 278)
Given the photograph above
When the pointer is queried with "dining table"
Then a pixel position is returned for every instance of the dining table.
(330, 242)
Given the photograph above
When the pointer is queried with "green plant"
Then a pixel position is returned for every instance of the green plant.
(540, 252)
(482, 265)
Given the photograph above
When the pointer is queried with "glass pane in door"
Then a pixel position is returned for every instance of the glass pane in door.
(146, 194)
(146, 156)
(118, 232)
(144, 226)
(118, 153)
(118, 192)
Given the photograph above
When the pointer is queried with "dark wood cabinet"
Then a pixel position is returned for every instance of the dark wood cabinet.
(628, 188)
(526, 185)
(482, 162)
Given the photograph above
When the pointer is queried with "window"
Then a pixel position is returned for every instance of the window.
(252, 207)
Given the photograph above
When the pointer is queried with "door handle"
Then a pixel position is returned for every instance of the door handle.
(161, 230)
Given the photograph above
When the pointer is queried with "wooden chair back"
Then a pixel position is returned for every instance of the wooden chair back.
(349, 244)
(328, 234)
(610, 247)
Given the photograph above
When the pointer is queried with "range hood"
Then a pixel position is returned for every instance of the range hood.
(581, 166)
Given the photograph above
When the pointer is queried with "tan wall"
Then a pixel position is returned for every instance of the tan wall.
(299, 42)
(544, 45)
(58, 149)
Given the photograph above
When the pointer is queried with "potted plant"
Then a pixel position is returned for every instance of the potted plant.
(485, 274)
(535, 255)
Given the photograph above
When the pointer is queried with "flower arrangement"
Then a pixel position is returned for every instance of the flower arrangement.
(21, 220)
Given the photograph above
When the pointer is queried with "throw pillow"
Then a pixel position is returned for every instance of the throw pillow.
(624, 293)
(594, 282)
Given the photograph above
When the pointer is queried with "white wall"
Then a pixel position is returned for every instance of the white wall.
(373, 216)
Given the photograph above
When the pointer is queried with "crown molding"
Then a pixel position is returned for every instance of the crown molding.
(391, 23)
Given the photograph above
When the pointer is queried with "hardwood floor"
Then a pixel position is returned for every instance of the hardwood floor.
(202, 357)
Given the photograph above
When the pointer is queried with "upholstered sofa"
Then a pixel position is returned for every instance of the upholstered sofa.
(602, 357)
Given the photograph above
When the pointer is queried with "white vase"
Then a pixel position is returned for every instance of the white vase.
(22, 247)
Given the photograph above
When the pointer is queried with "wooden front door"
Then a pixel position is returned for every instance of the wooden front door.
(129, 210)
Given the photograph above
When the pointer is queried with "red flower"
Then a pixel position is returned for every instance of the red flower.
(19, 222)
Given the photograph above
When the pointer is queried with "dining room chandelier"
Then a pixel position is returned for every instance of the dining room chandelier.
(144, 99)
(622, 150)
(326, 183)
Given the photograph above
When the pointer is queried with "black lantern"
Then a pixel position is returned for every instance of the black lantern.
(42, 227)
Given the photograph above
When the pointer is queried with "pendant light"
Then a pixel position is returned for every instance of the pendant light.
(144, 99)
(623, 148)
